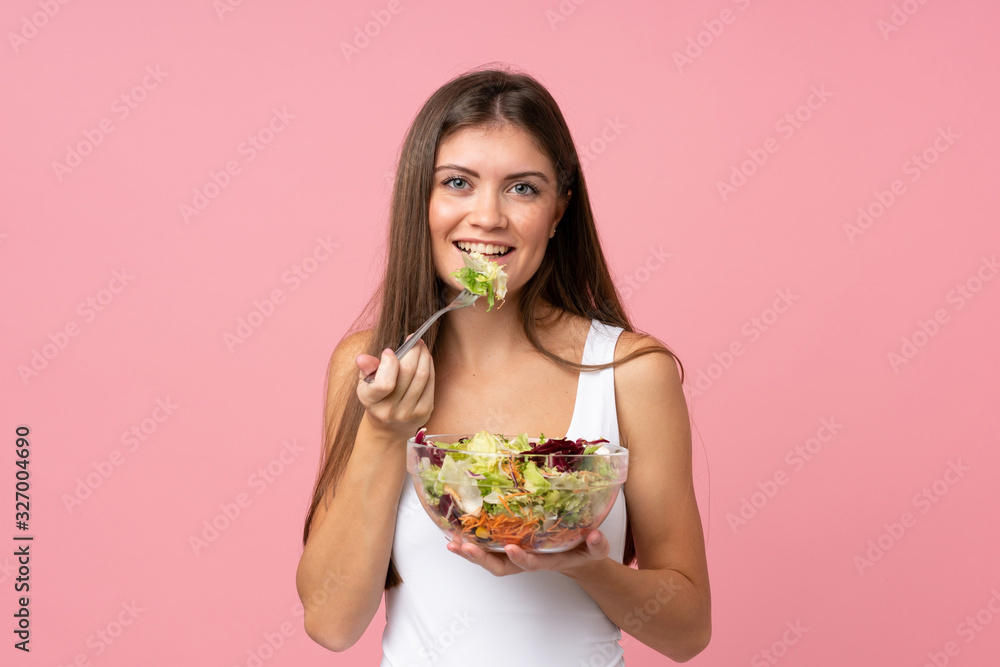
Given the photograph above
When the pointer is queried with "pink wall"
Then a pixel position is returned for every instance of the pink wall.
(837, 369)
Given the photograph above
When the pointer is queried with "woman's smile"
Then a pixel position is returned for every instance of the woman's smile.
(500, 253)
(491, 250)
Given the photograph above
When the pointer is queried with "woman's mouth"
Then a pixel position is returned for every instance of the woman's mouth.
(487, 249)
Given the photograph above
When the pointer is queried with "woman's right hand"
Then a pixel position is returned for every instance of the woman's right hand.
(401, 397)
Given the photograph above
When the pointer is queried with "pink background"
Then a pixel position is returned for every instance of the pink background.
(662, 134)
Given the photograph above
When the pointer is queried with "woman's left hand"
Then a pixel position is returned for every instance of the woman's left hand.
(515, 559)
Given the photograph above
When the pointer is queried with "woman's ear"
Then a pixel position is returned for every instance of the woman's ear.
(560, 210)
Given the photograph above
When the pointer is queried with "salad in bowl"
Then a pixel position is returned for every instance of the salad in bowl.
(542, 494)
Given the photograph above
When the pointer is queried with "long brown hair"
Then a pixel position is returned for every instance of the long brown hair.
(573, 276)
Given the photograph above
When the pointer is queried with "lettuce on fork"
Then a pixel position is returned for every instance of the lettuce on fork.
(482, 276)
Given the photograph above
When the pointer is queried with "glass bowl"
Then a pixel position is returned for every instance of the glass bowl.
(544, 499)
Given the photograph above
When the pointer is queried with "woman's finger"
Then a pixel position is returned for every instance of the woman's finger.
(496, 565)
(598, 546)
(594, 547)
(384, 383)
(521, 558)
(473, 554)
(415, 390)
(367, 364)
(425, 404)
(401, 379)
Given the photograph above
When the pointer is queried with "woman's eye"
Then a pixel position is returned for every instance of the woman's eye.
(456, 182)
(525, 189)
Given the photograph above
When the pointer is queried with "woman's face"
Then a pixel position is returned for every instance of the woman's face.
(494, 192)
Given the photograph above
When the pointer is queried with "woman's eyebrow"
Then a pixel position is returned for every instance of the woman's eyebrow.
(470, 172)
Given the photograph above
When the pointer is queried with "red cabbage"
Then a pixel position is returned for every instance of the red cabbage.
(446, 507)
(435, 454)
(558, 451)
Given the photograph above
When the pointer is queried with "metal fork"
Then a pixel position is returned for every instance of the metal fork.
(464, 298)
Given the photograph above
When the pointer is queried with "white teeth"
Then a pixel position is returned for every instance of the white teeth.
(483, 248)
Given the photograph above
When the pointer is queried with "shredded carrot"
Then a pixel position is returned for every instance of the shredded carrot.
(525, 532)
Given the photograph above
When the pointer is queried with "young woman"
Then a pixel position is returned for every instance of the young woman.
(489, 165)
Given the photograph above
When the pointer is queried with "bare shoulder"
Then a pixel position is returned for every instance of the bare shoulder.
(648, 387)
(353, 344)
(655, 369)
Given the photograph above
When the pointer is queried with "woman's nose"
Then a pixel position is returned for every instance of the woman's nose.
(487, 211)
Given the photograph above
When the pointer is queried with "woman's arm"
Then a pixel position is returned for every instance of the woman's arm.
(666, 603)
(341, 574)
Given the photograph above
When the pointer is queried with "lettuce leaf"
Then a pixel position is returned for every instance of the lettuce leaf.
(483, 277)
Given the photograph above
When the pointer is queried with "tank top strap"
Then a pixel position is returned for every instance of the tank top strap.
(595, 414)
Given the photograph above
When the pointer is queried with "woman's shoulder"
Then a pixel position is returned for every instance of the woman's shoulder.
(653, 368)
(648, 390)
(355, 342)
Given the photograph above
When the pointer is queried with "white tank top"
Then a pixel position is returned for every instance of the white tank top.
(449, 611)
